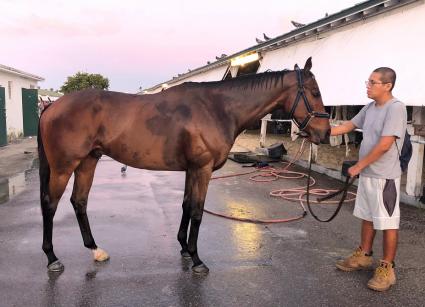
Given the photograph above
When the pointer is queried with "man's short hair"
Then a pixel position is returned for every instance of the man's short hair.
(388, 75)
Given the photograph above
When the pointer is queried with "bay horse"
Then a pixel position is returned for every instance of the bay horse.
(190, 127)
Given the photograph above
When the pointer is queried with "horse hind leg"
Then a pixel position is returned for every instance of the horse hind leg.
(82, 183)
(49, 202)
(198, 181)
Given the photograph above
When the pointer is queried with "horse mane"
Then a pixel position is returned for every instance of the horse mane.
(265, 80)
(45, 108)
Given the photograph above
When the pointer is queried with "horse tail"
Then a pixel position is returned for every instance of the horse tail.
(44, 168)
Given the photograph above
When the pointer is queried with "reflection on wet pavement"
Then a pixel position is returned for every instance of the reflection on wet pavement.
(246, 238)
(11, 187)
(238, 209)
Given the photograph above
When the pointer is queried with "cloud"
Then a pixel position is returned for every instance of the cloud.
(53, 26)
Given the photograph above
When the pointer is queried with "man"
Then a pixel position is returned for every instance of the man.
(383, 122)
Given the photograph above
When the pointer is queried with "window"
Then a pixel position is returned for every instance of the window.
(9, 88)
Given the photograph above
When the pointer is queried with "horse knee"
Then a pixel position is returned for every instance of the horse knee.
(48, 209)
(196, 217)
(186, 206)
(45, 199)
(80, 206)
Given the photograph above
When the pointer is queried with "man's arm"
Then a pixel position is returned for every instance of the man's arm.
(343, 129)
(382, 147)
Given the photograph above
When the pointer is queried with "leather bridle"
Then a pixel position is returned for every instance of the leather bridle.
(301, 94)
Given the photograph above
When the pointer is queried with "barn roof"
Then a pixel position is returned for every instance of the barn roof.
(348, 16)
(20, 73)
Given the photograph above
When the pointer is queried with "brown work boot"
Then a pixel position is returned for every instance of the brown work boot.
(359, 260)
(383, 278)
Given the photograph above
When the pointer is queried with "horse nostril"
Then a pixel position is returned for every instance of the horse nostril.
(326, 138)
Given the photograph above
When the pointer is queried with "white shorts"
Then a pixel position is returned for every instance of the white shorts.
(370, 203)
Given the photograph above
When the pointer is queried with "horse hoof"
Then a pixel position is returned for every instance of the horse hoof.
(185, 254)
(200, 269)
(100, 255)
(56, 266)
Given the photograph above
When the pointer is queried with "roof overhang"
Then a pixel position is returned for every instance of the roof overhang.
(20, 73)
(360, 11)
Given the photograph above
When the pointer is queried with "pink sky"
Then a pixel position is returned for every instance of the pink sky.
(139, 43)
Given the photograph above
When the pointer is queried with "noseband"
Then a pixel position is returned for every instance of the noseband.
(311, 113)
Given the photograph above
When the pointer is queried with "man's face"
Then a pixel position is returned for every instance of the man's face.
(376, 88)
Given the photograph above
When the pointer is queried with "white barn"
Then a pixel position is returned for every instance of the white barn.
(346, 47)
(17, 89)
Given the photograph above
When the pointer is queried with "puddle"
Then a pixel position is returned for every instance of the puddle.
(13, 186)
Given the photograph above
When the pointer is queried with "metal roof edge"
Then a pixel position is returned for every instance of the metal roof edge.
(20, 73)
(191, 73)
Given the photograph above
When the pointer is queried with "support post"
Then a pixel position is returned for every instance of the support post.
(263, 130)
(314, 153)
(294, 131)
(234, 71)
(414, 173)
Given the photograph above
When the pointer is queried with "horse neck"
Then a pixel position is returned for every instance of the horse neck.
(251, 105)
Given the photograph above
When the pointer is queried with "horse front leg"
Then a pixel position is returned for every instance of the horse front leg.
(82, 183)
(199, 179)
(184, 224)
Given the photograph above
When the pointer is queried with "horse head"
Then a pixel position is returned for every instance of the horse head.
(305, 106)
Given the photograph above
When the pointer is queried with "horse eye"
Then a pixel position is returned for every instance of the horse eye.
(316, 93)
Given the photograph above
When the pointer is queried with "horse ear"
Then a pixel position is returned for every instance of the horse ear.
(307, 65)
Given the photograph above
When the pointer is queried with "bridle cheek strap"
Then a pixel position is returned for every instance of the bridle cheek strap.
(311, 113)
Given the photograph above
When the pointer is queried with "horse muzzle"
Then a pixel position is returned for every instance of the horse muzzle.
(315, 137)
(311, 137)
(326, 139)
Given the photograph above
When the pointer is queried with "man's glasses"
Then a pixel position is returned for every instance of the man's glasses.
(372, 82)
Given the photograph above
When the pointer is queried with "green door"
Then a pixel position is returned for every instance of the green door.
(30, 111)
(3, 131)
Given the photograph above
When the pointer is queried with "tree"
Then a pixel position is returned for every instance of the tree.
(82, 80)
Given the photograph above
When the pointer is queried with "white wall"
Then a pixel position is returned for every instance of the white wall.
(343, 59)
(14, 117)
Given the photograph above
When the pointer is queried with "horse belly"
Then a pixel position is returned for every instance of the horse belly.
(154, 156)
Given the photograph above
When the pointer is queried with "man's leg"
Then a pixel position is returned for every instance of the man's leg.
(390, 244)
(387, 220)
(384, 276)
(361, 259)
(368, 234)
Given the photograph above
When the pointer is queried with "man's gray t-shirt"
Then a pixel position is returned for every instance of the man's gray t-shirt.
(377, 121)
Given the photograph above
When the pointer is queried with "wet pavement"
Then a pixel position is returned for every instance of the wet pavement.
(135, 218)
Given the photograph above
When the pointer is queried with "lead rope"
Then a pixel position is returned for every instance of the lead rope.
(344, 191)
(268, 174)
